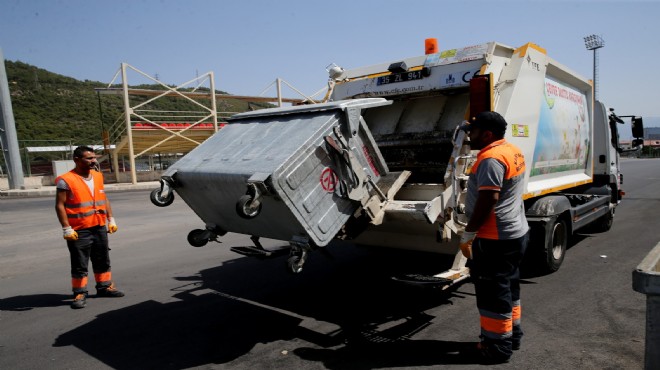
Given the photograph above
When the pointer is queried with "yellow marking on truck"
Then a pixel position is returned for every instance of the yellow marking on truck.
(555, 189)
(523, 49)
(380, 74)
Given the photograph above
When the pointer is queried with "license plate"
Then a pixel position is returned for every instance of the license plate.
(400, 77)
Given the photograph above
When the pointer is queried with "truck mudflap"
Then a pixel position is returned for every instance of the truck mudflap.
(296, 174)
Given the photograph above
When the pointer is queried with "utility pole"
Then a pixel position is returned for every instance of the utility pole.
(594, 42)
(8, 137)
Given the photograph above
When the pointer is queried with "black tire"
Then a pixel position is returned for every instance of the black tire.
(294, 264)
(198, 238)
(556, 241)
(246, 208)
(604, 223)
(159, 201)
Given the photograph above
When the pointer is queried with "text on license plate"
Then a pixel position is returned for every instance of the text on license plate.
(399, 77)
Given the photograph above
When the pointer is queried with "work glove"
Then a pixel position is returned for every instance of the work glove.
(112, 226)
(466, 243)
(70, 233)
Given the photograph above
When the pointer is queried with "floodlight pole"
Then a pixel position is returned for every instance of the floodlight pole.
(594, 42)
(595, 74)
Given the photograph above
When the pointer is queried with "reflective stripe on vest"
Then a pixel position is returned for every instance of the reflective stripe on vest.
(85, 204)
(83, 209)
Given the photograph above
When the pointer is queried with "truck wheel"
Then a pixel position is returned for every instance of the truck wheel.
(555, 248)
(159, 201)
(247, 208)
(604, 223)
(295, 264)
(198, 237)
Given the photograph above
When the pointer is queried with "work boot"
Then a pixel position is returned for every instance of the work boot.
(79, 300)
(481, 354)
(109, 291)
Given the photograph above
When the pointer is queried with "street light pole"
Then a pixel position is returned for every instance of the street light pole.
(594, 42)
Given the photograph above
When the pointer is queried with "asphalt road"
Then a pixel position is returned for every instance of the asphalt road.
(210, 308)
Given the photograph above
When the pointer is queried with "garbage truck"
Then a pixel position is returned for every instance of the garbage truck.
(383, 160)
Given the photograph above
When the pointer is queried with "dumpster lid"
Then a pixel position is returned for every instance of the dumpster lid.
(341, 105)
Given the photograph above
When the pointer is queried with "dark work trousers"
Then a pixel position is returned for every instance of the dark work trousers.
(92, 243)
(495, 271)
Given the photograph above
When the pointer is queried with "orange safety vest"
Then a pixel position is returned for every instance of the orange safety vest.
(84, 209)
(514, 161)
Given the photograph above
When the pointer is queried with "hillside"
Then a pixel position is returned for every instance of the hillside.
(651, 122)
(52, 108)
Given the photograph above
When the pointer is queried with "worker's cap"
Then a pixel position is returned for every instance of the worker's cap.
(491, 121)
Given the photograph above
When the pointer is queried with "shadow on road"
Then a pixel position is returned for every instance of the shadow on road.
(346, 306)
(28, 302)
(374, 355)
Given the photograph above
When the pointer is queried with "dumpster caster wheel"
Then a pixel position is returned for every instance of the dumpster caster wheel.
(295, 264)
(158, 200)
(247, 207)
(198, 237)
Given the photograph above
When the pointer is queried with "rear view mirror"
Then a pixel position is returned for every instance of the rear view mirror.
(637, 127)
(637, 142)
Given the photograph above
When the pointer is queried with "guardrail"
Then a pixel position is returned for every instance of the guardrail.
(646, 279)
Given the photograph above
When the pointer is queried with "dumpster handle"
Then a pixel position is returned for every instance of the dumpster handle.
(342, 152)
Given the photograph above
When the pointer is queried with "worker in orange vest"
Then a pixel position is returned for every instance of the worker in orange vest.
(86, 218)
(496, 236)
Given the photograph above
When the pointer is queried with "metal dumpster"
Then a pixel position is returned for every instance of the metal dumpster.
(646, 279)
(294, 174)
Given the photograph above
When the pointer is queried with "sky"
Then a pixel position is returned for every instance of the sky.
(248, 44)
